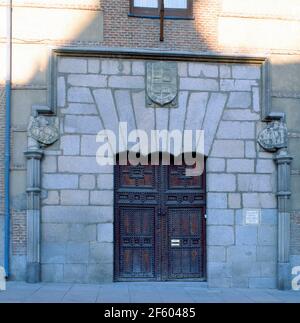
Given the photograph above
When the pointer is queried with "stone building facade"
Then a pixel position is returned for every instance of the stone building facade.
(88, 70)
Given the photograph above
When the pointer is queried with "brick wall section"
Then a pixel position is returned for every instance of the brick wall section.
(123, 31)
(18, 234)
(295, 236)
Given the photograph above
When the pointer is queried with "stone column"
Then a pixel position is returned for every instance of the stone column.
(42, 132)
(34, 156)
(283, 161)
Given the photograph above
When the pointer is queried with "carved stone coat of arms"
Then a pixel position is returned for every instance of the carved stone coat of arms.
(44, 129)
(273, 137)
(162, 85)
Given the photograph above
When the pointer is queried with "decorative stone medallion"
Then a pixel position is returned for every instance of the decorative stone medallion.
(274, 136)
(162, 85)
(44, 129)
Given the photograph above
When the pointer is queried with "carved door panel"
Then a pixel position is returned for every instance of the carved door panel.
(159, 223)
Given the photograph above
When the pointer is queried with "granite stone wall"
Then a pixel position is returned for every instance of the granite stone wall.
(77, 208)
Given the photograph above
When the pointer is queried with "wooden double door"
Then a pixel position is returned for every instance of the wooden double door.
(159, 223)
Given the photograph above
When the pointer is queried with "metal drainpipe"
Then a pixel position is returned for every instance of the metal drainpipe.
(7, 139)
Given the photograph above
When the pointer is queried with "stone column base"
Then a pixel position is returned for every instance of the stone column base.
(33, 272)
(284, 275)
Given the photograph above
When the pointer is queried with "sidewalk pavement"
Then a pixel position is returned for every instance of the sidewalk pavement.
(156, 292)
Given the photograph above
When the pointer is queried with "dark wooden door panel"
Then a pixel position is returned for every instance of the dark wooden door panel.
(185, 250)
(159, 223)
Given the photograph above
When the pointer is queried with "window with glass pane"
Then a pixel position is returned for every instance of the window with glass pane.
(146, 3)
(151, 8)
(176, 4)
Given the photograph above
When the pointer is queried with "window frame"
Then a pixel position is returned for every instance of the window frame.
(154, 13)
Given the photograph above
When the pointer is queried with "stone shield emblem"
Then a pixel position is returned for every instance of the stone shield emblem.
(273, 137)
(162, 84)
(44, 129)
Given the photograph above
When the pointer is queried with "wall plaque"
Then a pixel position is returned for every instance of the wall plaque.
(162, 85)
(252, 217)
